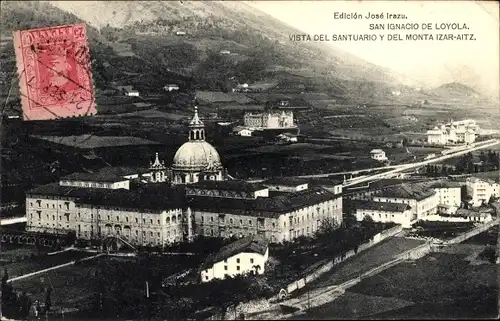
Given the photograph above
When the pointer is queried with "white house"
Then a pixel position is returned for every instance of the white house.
(180, 33)
(398, 213)
(225, 52)
(247, 255)
(449, 196)
(244, 132)
(171, 87)
(422, 202)
(481, 190)
(378, 154)
(132, 93)
(288, 137)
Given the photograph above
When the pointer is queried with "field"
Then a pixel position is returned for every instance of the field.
(436, 286)
(70, 285)
(91, 141)
(209, 97)
(23, 260)
(366, 260)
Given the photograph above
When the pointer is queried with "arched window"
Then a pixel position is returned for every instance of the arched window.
(168, 220)
(197, 134)
(179, 218)
(173, 219)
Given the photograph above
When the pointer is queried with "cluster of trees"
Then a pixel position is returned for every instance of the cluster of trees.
(489, 162)
(329, 241)
(17, 305)
(437, 171)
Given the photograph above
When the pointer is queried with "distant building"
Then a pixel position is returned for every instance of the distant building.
(132, 93)
(244, 132)
(225, 52)
(398, 213)
(180, 33)
(247, 255)
(288, 137)
(464, 131)
(378, 154)
(171, 87)
(270, 119)
(480, 191)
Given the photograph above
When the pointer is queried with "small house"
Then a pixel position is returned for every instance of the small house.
(132, 93)
(225, 52)
(246, 255)
(378, 154)
(171, 87)
(288, 137)
(180, 33)
(244, 132)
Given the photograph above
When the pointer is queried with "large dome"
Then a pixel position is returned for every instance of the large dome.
(196, 155)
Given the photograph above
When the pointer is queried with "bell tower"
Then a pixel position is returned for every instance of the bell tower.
(157, 169)
(196, 127)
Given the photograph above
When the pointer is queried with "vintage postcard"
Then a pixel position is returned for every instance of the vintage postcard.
(55, 78)
(249, 160)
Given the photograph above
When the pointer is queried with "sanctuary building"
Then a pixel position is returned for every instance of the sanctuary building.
(174, 204)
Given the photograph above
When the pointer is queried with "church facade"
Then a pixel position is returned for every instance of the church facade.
(190, 198)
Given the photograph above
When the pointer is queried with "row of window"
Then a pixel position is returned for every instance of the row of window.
(168, 220)
(39, 204)
(231, 221)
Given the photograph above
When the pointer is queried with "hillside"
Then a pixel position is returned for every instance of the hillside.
(455, 89)
(136, 43)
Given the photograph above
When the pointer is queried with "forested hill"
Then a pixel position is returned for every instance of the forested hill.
(149, 43)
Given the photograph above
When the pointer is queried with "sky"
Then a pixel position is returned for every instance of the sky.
(475, 63)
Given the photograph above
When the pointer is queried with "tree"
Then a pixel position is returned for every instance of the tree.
(48, 300)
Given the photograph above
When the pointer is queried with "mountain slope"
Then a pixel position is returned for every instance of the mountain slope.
(136, 43)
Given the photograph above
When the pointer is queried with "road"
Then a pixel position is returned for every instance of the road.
(395, 168)
(405, 167)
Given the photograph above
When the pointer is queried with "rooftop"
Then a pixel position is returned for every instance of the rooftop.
(230, 185)
(383, 206)
(152, 197)
(263, 206)
(406, 191)
(444, 184)
(289, 181)
(136, 199)
(250, 244)
(94, 177)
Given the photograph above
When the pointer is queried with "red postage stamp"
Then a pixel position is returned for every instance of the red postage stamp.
(55, 78)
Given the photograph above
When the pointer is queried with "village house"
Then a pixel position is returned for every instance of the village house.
(480, 191)
(422, 202)
(246, 255)
(378, 154)
(384, 212)
(449, 196)
(171, 87)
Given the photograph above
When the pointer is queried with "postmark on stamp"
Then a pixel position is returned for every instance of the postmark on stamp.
(55, 78)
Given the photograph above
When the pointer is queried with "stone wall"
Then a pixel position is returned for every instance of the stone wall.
(264, 304)
(470, 234)
(341, 258)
